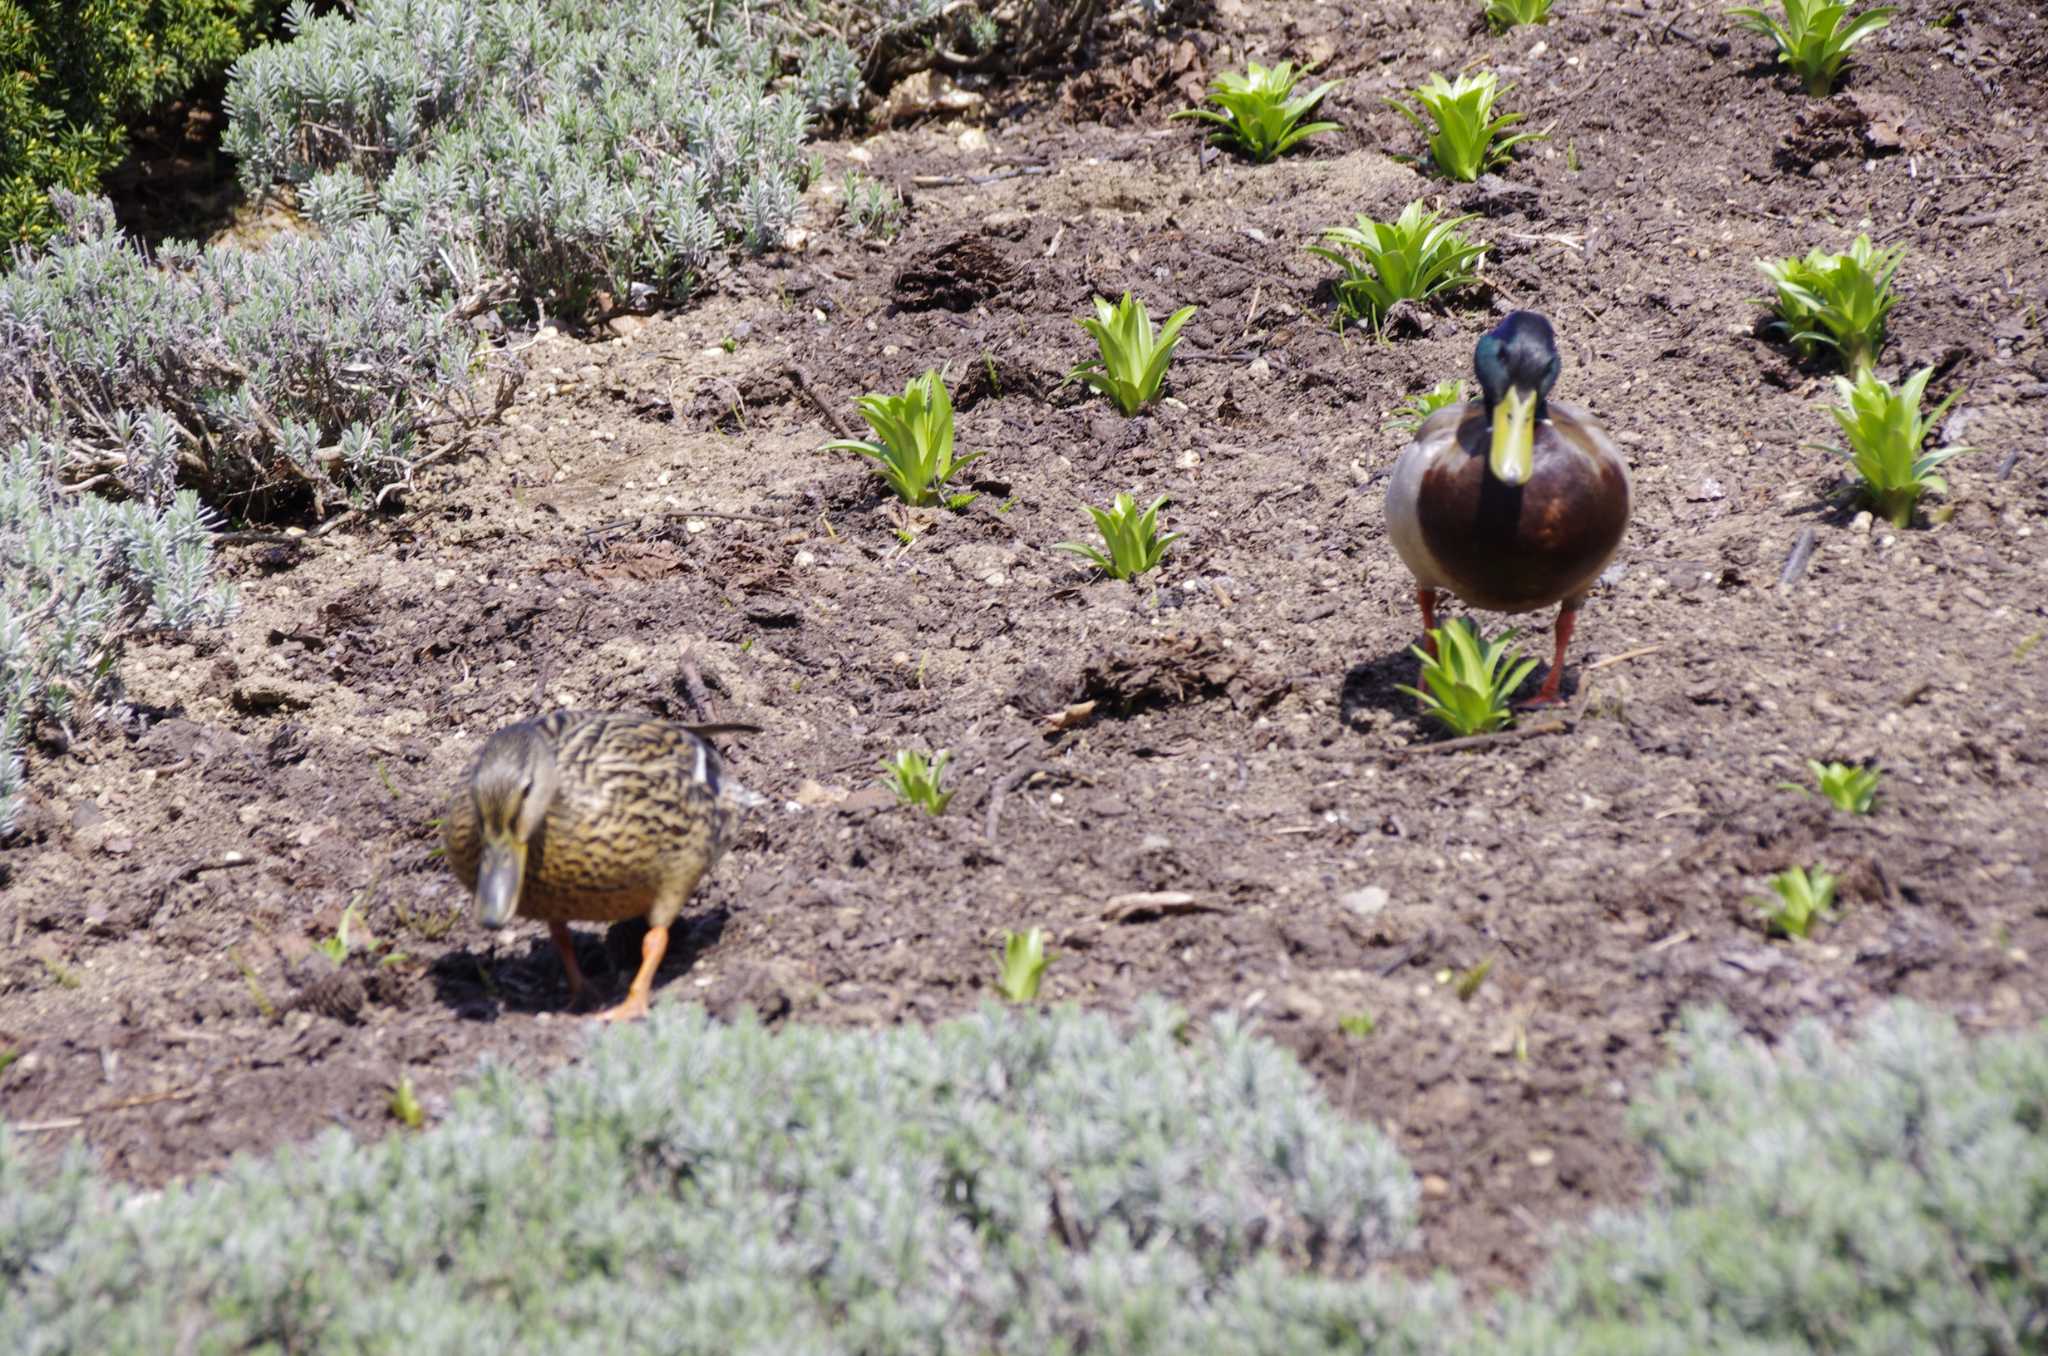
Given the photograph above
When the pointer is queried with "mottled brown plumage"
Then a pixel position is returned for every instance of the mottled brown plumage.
(593, 817)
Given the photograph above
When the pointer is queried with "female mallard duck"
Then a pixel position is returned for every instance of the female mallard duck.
(1513, 502)
(596, 816)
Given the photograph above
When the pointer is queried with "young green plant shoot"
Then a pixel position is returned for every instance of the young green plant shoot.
(1844, 785)
(1839, 301)
(1024, 961)
(1501, 15)
(1465, 138)
(1803, 898)
(1886, 431)
(1254, 113)
(914, 432)
(1410, 413)
(1412, 258)
(1815, 37)
(916, 779)
(1468, 681)
(869, 209)
(1132, 361)
(1131, 544)
(405, 1105)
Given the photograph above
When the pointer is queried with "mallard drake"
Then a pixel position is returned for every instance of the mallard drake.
(595, 816)
(1513, 501)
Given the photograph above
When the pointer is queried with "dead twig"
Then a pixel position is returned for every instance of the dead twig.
(693, 683)
(252, 538)
(123, 1104)
(807, 391)
(1514, 736)
(1621, 658)
(1002, 789)
(714, 513)
(1796, 562)
(975, 180)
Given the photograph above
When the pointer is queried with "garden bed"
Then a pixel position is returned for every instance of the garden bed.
(1250, 817)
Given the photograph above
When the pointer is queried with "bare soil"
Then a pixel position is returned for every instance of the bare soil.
(656, 506)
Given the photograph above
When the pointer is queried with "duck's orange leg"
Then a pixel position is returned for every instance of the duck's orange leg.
(652, 948)
(566, 944)
(1546, 695)
(1426, 599)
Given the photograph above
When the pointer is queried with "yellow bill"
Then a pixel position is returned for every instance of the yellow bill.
(1514, 436)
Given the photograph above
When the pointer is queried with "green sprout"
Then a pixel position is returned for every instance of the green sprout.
(1815, 38)
(1469, 981)
(1024, 961)
(1410, 413)
(1133, 359)
(870, 209)
(1257, 116)
(1802, 899)
(256, 991)
(1412, 258)
(405, 1105)
(915, 451)
(1843, 785)
(1837, 300)
(337, 947)
(1501, 15)
(1469, 679)
(1357, 1025)
(915, 779)
(1886, 431)
(1466, 140)
(1132, 538)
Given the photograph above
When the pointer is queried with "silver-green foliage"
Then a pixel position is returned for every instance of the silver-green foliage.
(1883, 1195)
(1030, 1183)
(578, 145)
(78, 572)
(302, 369)
(1004, 1183)
(870, 209)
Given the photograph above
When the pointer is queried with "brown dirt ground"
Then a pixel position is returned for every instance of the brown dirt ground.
(1248, 750)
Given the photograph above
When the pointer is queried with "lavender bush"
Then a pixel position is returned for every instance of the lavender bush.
(1023, 1183)
(1005, 1183)
(302, 371)
(78, 573)
(579, 146)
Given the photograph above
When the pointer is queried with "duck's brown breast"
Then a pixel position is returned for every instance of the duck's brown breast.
(1513, 548)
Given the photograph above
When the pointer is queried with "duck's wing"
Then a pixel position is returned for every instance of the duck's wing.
(1435, 440)
(461, 836)
(1583, 432)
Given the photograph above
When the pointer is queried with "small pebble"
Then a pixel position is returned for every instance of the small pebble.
(1367, 901)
